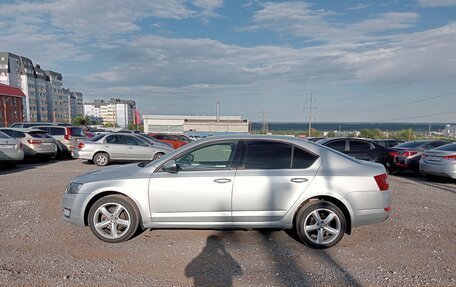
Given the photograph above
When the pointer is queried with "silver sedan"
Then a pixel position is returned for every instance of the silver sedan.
(11, 150)
(440, 161)
(103, 149)
(234, 182)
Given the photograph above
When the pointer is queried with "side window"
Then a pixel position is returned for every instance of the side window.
(267, 155)
(359, 146)
(160, 137)
(302, 159)
(57, 131)
(213, 157)
(9, 132)
(337, 145)
(133, 141)
(114, 139)
(18, 134)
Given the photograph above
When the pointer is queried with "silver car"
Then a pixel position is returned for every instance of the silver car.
(10, 150)
(440, 161)
(234, 182)
(105, 148)
(36, 143)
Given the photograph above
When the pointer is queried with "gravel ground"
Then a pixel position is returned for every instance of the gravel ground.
(416, 246)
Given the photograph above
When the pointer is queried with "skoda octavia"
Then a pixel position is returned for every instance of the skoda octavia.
(234, 182)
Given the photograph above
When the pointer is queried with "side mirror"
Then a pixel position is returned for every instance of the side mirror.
(170, 166)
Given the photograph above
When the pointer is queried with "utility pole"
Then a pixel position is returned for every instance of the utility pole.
(310, 108)
(264, 121)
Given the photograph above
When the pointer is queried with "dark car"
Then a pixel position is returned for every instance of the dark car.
(407, 155)
(359, 149)
(388, 143)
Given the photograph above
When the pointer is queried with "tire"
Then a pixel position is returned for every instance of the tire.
(101, 159)
(158, 155)
(113, 218)
(320, 234)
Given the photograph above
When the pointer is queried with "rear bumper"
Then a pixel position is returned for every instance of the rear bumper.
(444, 170)
(82, 154)
(369, 207)
(12, 155)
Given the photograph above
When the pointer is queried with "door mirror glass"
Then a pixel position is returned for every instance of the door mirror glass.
(170, 166)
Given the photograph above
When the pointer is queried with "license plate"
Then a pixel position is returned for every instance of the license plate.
(48, 144)
(7, 146)
(434, 158)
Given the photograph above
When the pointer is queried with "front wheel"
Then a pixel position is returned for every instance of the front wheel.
(158, 155)
(320, 224)
(113, 218)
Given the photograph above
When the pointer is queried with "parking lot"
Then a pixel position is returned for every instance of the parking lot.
(416, 246)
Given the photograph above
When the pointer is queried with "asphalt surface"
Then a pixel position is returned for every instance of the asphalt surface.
(416, 246)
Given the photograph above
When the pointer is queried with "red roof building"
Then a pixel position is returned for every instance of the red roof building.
(11, 110)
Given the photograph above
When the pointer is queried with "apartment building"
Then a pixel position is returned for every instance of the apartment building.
(117, 112)
(45, 99)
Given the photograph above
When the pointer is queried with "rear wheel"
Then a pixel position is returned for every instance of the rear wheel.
(113, 218)
(320, 224)
(101, 159)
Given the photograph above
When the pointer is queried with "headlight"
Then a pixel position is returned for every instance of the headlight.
(73, 188)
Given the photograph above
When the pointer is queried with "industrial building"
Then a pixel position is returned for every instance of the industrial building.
(204, 124)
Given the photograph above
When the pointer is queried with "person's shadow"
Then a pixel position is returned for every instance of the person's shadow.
(214, 266)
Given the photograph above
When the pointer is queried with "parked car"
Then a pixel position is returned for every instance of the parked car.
(36, 143)
(314, 139)
(440, 161)
(10, 150)
(183, 138)
(156, 142)
(359, 149)
(66, 136)
(388, 143)
(171, 139)
(234, 182)
(103, 149)
(34, 124)
(407, 155)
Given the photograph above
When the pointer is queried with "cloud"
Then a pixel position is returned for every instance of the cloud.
(360, 6)
(436, 3)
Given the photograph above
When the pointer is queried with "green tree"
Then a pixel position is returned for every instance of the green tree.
(109, 125)
(331, 134)
(372, 134)
(80, 121)
(407, 134)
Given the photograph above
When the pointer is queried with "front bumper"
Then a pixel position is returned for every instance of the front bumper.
(73, 208)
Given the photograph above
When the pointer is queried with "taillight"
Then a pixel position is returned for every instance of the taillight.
(393, 153)
(81, 145)
(423, 155)
(31, 141)
(67, 135)
(409, 153)
(382, 181)
(450, 157)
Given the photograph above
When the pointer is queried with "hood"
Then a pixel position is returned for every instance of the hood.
(109, 173)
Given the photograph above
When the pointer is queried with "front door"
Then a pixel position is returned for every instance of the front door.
(200, 192)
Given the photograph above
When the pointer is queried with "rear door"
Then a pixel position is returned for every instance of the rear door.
(269, 181)
(360, 150)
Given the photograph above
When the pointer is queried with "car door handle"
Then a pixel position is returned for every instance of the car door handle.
(222, 180)
(131, 147)
(299, 180)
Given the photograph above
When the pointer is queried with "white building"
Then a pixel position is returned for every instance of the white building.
(117, 112)
(449, 131)
(180, 124)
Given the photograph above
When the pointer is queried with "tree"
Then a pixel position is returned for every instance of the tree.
(80, 121)
(407, 134)
(371, 134)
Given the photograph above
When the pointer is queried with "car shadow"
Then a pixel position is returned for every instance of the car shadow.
(26, 164)
(214, 266)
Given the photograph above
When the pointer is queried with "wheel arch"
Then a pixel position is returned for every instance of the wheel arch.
(100, 195)
(342, 206)
(100, 151)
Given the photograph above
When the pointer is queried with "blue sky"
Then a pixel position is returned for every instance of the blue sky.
(376, 61)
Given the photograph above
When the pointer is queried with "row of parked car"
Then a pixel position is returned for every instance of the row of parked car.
(425, 157)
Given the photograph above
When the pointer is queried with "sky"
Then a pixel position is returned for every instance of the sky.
(360, 61)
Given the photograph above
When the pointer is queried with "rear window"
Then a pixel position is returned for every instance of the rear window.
(447, 147)
(39, 135)
(96, 137)
(78, 132)
(4, 136)
(410, 144)
(8, 132)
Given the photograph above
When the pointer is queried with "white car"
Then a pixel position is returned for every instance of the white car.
(11, 150)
